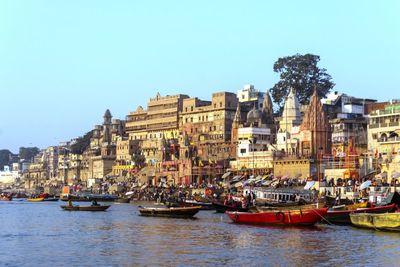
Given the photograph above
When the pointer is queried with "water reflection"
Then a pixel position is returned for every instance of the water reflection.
(40, 233)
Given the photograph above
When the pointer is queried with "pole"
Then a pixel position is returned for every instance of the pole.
(253, 157)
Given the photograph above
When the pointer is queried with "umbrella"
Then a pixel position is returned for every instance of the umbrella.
(395, 174)
(239, 184)
(366, 184)
(129, 193)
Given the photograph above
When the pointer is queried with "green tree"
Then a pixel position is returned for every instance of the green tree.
(27, 153)
(4, 158)
(82, 143)
(302, 74)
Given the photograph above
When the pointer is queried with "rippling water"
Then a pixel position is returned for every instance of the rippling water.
(34, 234)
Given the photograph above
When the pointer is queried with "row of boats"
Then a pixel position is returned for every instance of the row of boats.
(385, 217)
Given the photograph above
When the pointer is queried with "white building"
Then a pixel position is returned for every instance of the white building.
(7, 176)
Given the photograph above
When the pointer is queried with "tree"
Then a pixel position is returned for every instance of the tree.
(302, 74)
(27, 153)
(4, 158)
(82, 143)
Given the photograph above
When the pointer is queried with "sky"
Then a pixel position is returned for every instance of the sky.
(63, 63)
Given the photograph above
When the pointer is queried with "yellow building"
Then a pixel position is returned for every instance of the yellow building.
(207, 127)
(384, 130)
(156, 125)
(293, 168)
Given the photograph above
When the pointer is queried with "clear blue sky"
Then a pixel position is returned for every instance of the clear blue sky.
(63, 63)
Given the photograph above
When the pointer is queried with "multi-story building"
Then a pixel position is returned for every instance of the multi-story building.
(384, 130)
(249, 97)
(51, 160)
(125, 152)
(348, 120)
(156, 126)
(208, 126)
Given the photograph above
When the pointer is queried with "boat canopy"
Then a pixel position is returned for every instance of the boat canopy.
(309, 185)
(366, 184)
(226, 175)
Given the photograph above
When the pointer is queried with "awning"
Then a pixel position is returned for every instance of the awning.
(144, 186)
(129, 193)
(309, 185)
(226, 175)
(364, 185)
(284, 177)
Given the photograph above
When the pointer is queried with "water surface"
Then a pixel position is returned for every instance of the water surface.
(42, 234)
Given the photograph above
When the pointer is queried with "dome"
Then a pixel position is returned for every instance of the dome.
(254, 115)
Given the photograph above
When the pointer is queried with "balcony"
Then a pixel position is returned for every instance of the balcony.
(389, 140)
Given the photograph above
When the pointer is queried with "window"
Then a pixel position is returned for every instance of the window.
(185, 109)
(229, 103)
(191, 108)
(220, 104)
(243, 150)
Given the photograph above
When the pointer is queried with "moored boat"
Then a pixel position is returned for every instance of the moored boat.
(122, 200)
(297, 217)
(51, 199)
(86, 208)
(302, 207)
(343, 216)
(36, 199)
(221, 208)
(383, 221)
(194, 203)
(181, 212)
(5, 198)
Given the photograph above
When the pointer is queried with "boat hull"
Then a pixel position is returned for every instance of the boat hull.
(39, 199)
(343, 216)
(384, 221)
(221, 208)
(86, 208)
(283, 218)
(183, 212)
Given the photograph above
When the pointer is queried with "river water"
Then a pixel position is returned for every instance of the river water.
(42, 234)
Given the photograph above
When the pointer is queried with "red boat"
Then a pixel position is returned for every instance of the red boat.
(5, 198)
(279, 217)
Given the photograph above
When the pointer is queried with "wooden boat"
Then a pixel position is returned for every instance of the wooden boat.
(343, 216)
(36, 199)
(194, 203)
(181, 212)
(297, 217)
(85, 208)
(384, 221)
(221, 208)
(351, 206)
(5, 198)
(331, 201)
(122, 200)
(302, 207)
(51, 199)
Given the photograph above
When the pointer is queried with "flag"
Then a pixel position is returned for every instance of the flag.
(200, 163)
(210, 161)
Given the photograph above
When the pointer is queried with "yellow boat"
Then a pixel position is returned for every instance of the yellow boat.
(37, 199)
(382, 221)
